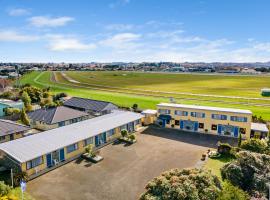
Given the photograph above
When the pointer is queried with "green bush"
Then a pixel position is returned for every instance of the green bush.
(254, 145)
(224, 148)
(186, 184)
(132, 137)
(231, 192)
(4, 189)
(24, 118)
(124, 133)
(250, 172)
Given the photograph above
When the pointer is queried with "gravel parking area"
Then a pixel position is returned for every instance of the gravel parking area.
(125, 170)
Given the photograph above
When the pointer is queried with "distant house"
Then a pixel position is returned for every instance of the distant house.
(90, 106)
(6, 103)
(49, 118)
(10, 130)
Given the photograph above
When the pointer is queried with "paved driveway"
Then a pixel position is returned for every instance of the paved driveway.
(125, 170)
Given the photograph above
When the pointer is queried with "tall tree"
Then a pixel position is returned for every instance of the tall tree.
(24, 118)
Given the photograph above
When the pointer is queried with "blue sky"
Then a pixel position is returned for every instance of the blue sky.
(134, 30)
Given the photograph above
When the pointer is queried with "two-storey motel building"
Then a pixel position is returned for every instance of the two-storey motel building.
(205, 119)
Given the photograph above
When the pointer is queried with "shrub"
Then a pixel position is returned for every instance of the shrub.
(132, 137)
(124, 133)
(24, 118)
(255, 145)
(18, 177)
(224, 148)
(89, 149)
(183, 184)
(250, 171)
(12, 111)
(232, 192)
(4, 189)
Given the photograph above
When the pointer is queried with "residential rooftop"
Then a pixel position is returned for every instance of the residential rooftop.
(28, 148)
(218, 109)
(88, 104)
(8, 127)
(259, 127)
(9, 102)
(55, 115)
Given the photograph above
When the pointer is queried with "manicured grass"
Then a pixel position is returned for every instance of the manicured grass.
(216, 164)
(123, 96)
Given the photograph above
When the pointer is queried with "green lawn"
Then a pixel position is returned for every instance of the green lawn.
(124, 82)
(216, 164)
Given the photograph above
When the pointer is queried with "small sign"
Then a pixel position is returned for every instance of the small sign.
(23, 186)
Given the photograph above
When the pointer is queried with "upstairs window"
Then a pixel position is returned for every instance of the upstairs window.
(181, 113)
(197, 114)
(219, 117)
(164, 111)
(238, 119)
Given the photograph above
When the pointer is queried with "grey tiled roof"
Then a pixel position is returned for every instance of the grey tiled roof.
(9, 127)
(55, 115)
(89, 104)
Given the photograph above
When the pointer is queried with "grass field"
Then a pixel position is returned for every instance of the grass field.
(148, 89)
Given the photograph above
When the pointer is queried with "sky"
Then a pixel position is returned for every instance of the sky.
(134, 30)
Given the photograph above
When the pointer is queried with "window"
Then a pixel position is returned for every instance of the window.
(197, 114)
(73, 120)
(111, 132)
(201, 125)
(137, 122)
(168, 121)
(124, 127)
(177, 122)
(61, 124)
(242, 130)
(35, 162)
(164, 111)
(88, 141)
(214, 127)
(2, 138)
(238, 119)
(219, 117)
(72, 148)
(181, 113)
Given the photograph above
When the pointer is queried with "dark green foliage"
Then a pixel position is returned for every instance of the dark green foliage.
(34, 93)
(250, 171)
(124, 133)
(255, 145)
(186, 184)
(135, 106)
(231, 192)
(58, 96)
(224, 148)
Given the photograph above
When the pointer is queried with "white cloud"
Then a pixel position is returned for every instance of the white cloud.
(120, 27)
(122, 41)
(44, 21)
(67, 43)
(13, 36)
(18, 12)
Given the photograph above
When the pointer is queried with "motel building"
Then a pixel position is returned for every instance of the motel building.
(42, 152)
(211, 120)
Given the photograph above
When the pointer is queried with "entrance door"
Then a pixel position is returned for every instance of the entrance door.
(62, 154)
(11, 137)
(55, 157)
(49, 159)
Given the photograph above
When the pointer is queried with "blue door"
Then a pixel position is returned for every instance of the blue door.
(219, 129)
(104, 137)
(236, 130)
(49, 160)
(96, 140)
(196, 126)
(62, 154)
(181, 124)
(163, 123)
